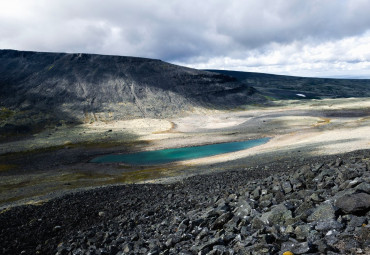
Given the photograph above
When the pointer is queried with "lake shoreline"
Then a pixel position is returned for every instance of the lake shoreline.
(298, 129)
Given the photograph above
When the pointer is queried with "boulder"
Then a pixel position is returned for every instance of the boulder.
(363, 187)
(354, 203)
(278, 215)
(243, 208)
(325, 211)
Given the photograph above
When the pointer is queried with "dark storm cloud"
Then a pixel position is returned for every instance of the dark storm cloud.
(189, 32)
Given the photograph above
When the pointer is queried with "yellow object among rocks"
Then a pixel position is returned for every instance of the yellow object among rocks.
(288, 253)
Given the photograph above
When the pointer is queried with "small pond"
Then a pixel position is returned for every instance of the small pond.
(178, 154)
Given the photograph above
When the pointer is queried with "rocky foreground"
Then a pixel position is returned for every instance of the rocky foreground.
(321, 206)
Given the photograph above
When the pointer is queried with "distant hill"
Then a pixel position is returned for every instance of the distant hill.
(40, 89)
(291, 87)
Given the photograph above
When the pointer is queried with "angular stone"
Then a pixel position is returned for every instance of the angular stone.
(321, 246)
(257, 223)
(221, 221)
(317, 167)
(363, 187)
(279, 197)
(256, 193)
(302, 232)
(306, 172)
(265, 204)
(212, 242)
(243, 208)
(313, 236)
(347, 245)
(297, 186)
(354, 203)
(295, 247)
(356, 222)
(289, 229)
(338, 162)
(304, 207)
(316, 197)
(202, 233)
(184, 252)
(219, 249)
(287, 187)
(325, 211)
(328, 225)
(278, 215)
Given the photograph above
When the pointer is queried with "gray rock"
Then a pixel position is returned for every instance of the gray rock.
(317, 167)
(302, 231)
(316, 197)
(278, 215)
(183, 252)
(297, 186)
(256, 193)
(220, 221)
(289, 229)
(321, 246)
(295, 247)
(363, 187)
(212, 242)
(243, 208)
(266, 197)
(325, 211)
(313, 236)
(279, 197)
(265, 204)
(257, 223)
(328, 225)
(304, 207)
(305, 172)
(287, 187)
(354, 203)
(356, 221)
(338, 162)
(219, 250)
(202, 233)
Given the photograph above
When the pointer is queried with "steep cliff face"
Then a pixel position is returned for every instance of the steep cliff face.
(52, 87)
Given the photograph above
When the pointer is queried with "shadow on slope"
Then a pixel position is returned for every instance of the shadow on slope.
(96, 80)
(290, 87)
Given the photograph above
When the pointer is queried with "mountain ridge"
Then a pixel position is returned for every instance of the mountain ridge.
(77, 87)
(287, 87)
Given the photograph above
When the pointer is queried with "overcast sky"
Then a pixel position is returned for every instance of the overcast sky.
(295, 37)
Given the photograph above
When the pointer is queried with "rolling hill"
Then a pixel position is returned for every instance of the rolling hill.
(39, 89)
(291, 87)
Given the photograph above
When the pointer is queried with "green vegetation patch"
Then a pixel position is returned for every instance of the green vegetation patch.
(5, 113)
(7, 167)
(149, 173)
(270, 98)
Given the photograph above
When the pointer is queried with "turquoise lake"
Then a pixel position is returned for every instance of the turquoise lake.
(178, 154)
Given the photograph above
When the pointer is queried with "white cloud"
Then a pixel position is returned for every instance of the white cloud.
(281, 36)
(348, 56)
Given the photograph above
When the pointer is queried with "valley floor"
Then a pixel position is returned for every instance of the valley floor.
(56, 161)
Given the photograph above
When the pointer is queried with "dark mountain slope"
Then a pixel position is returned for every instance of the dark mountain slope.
(51, 87)
(287, 87)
